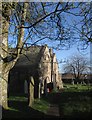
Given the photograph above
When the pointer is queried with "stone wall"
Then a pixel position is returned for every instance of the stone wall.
(45, 72)
(49, 68)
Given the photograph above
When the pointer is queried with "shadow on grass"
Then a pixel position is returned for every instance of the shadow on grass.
(62, 96)
(73, 105)
(21, 110)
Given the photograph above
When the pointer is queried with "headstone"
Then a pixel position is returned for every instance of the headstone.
(31, 91)
(45, 87)
(25, 87)
(39, 92)
(72, 82)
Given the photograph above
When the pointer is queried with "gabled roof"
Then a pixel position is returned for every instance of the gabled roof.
(30, 57)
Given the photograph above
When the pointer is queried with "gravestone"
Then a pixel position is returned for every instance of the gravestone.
(31, 91)
(39, 92)
(45, 87)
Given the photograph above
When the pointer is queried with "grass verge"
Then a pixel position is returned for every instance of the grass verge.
(40, 105)
(77, 88)
(76, 101)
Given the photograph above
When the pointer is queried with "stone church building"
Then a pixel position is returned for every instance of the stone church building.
(39, 63)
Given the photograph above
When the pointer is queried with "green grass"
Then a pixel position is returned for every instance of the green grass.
(13, 109)
(72, 100)
(18, 108)
(40, 105)
(75, 107)
(76, 100)
(17, 98)
(77, 88)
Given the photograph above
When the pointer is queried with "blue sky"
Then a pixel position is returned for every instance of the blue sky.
(65, 54)
(69, 19)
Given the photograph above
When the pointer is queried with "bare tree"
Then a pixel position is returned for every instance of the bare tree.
(77, 65)
(86, 22)
(30, 23)
(82, 24)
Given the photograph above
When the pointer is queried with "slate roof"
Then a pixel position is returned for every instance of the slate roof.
(30, 57)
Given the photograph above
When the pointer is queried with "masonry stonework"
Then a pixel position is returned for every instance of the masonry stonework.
(40, 63)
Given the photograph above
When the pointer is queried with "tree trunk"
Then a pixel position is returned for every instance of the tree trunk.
(7, 65)
(4, 87)
(3, 65)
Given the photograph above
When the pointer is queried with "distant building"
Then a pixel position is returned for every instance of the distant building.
(39, 62)
(69, 78)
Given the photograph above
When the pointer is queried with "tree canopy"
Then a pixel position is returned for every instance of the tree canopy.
(78, 66)
(50, 22)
